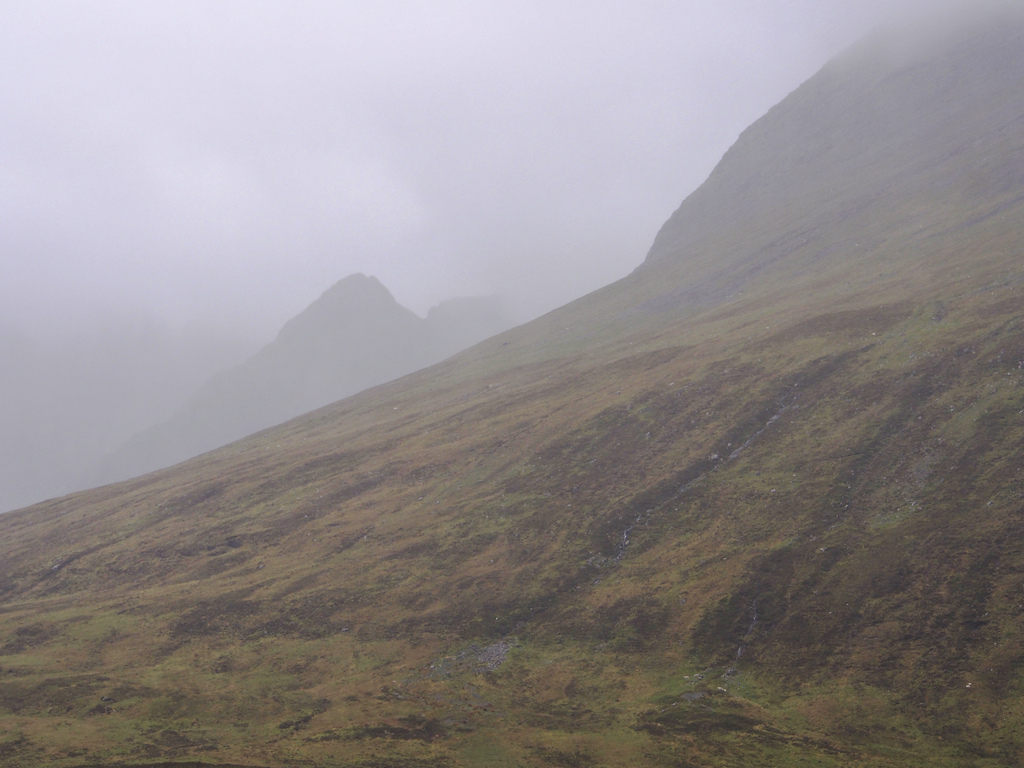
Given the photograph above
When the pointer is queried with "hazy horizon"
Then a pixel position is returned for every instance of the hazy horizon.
(218, 167)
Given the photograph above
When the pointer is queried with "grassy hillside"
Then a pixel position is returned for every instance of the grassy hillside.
(746, 510)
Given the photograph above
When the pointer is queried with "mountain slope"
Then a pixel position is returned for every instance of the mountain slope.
(757, 504)
(829, 147)
(354, 336)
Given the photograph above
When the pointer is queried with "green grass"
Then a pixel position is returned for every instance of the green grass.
(335, 608)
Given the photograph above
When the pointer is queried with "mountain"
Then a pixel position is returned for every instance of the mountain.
(758, 503)
(829, 148)
(354, 336)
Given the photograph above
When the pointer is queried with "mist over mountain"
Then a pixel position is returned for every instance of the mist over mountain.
(66, 400)
(353, 337)
(825, 154)
(758, 503)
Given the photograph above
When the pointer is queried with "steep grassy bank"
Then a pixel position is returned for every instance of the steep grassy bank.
(799, 541)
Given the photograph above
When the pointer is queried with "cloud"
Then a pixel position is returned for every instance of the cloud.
(225, 162)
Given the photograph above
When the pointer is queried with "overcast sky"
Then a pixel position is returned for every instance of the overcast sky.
(226, 162)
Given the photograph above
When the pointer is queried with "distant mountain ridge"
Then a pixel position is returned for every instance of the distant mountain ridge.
(354, 336)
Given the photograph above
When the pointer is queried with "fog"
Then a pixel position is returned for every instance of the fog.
(224, 163)
(177, 180)
(68, 401)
